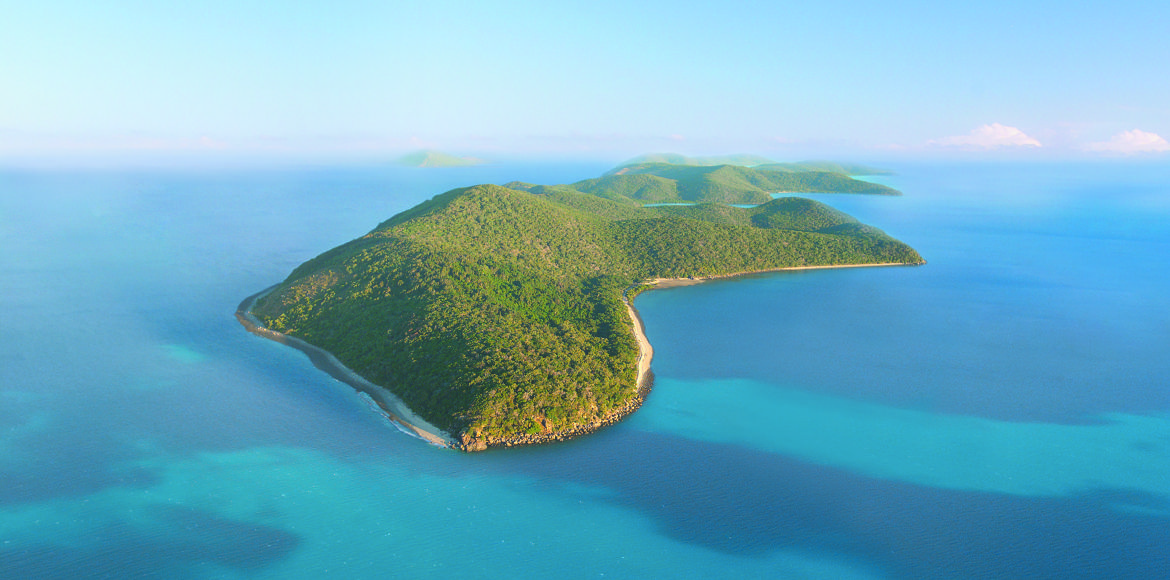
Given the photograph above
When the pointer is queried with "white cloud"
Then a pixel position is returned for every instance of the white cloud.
(989, 137)
(1131, 142)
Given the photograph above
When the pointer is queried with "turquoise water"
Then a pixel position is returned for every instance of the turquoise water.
(1001, 412)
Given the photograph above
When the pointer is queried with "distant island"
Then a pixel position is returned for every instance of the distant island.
(437, 159)
(655, 182)
(501, 315)
(754, 161)
(744, 159)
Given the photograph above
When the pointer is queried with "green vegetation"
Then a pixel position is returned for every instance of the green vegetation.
(664, 182)
(496, 312)
(828, 166)
(785, 213)
(436, 159)
(676, 159)
(753, 161)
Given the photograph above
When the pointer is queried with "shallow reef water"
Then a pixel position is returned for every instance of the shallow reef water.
(1000, 412)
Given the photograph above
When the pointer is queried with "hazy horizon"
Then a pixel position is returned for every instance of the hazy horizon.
(254, 82)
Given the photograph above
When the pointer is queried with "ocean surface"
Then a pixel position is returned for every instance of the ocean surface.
(1001, 412)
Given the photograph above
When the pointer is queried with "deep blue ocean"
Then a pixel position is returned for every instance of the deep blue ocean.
(1001, 412)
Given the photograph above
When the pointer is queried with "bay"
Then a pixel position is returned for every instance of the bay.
(1000, 412)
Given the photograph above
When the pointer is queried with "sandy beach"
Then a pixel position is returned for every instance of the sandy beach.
(658, 283)
(394, 408)
(645, 351)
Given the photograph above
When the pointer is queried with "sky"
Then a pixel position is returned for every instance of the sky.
(357, 79)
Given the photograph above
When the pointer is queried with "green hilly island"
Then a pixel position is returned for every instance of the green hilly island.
(753, 161)
(677, 159)
(497, 313)
(437, 159)
(654, 182)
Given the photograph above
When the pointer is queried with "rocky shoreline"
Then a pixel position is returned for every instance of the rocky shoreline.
(472, 444)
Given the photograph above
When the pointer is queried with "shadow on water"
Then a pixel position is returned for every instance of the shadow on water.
(188, 540)
(749, 503)
(71, 464)
(44, 481)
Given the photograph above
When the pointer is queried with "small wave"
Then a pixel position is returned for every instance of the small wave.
(387, 416)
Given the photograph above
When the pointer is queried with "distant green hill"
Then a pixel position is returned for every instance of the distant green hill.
(664, 182)
(496, 313)
(676, 159)
(753, 161)
(829, 166)
(437, 159)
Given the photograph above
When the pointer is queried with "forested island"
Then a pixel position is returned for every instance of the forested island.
(437, 159)
(499, 313)
(656, 182)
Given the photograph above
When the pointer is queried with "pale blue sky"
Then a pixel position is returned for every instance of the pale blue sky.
(599, 79)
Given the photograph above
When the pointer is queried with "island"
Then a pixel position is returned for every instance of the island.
(437, 159)
(754, 161)
(657, 182)
(494, 316)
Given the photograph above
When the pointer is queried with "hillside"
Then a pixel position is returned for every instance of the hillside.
(665, 182)
(496, 313)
